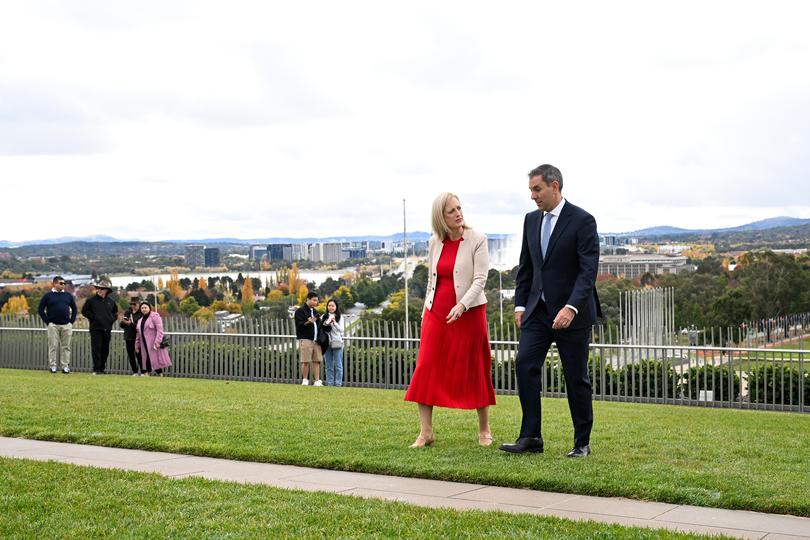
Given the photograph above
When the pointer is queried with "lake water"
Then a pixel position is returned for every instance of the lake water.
(317, 276)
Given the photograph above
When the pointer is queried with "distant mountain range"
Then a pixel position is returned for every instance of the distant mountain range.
(416, 236)
(762, 225)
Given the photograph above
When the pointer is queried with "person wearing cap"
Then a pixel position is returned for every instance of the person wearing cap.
(102, 312)
(57, 309)
(128, 322)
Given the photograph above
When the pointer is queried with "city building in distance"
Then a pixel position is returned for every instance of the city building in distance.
(632, 266)
(212, 257)
(195, 255)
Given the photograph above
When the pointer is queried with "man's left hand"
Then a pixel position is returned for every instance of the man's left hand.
(563, 318)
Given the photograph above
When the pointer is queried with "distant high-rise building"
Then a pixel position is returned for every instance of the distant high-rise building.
(299, 252)
(354, 253)
(279, 252)
(331, 252)
(195, 255)
(609, 240)
(212, 257)
(258, 253)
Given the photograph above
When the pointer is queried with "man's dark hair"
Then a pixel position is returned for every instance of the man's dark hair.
(58, 278)
(311, 295)
(548, 173)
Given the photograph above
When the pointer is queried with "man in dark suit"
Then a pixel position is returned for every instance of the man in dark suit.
(555, 301)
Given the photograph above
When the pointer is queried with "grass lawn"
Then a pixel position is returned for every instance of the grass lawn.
(751, 460)
(52, 500)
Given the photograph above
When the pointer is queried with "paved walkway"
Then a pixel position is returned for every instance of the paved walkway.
(430, 493)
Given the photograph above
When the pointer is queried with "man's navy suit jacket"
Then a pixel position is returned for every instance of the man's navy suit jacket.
(567, 274)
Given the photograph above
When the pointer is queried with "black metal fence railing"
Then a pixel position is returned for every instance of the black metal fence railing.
(383, 355)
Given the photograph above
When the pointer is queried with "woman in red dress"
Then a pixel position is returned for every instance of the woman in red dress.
(453, 368)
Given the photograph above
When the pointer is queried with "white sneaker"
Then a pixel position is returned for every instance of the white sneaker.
(318, 383)
(305, 382)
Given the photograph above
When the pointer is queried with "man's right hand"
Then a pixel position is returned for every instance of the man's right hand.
(518, 317)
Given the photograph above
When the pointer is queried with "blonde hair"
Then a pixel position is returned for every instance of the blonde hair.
(437, 222)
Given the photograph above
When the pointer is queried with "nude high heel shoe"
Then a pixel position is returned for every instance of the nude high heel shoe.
(485, 439)
(422, 441)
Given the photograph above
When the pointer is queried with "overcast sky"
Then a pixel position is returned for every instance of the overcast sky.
(160, 119)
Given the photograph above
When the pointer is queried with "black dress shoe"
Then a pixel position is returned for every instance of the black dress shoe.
(579, 451)
(524, 444)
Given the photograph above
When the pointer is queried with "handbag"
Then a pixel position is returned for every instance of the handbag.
(164, 343)
(323, 341)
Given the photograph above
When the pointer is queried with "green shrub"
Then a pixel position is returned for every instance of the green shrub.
(775, 385)
(712, 378)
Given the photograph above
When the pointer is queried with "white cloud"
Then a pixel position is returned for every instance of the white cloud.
(255, 119)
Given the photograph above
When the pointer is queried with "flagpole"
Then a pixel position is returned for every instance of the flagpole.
(405, 245)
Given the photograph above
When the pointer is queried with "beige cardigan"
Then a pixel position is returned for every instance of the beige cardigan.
(470, 271)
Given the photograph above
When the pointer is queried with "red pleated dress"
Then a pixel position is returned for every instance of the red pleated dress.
(454, 366)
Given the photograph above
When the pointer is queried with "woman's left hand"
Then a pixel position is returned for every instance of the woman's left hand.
(155, 346)
(456, 312)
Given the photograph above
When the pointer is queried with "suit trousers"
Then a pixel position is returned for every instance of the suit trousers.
(100, 348)
(536, 337)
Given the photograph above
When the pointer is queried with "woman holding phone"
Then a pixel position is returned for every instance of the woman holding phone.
(333, 323)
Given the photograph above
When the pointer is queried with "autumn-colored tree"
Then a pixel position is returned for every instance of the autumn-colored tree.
(343, 296)
(175, 289)
(293, 278)
(275, 295)
(16, 305)
(204, 314)
(247, 295)
(221, 305)
(302, 294)
(160, 284)
(218, 305)
(202, 284)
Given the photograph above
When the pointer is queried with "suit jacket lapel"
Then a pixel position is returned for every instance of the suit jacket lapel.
(533, 231)
(562, 222)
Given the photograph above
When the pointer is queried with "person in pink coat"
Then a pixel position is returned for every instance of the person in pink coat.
(148, 335)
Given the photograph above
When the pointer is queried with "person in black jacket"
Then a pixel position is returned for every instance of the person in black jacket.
(102, 312)
(57, 309)
(128, 323)
(307, 327)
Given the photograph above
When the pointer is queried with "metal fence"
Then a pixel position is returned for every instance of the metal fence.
(378, 355)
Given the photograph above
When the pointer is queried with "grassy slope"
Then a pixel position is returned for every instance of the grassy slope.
(711, 457)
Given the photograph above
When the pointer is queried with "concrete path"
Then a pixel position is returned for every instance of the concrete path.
(429, 493)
